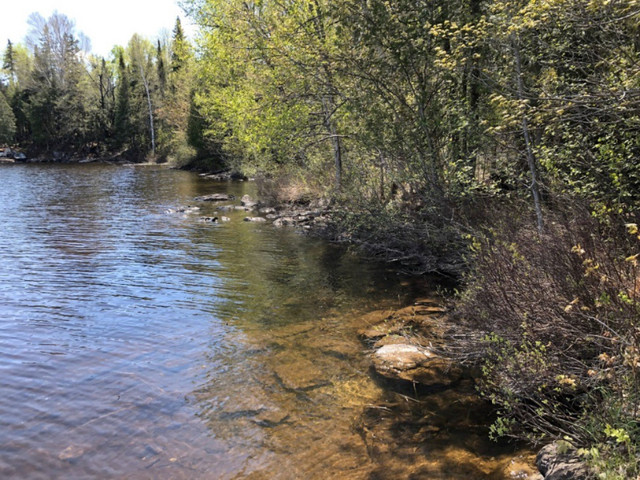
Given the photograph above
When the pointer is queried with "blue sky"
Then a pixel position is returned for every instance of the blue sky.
(105, 23)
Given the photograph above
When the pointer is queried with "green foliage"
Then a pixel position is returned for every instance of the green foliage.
(273, 95)
(177, 104)
(9, 62)
(7, 121)
(122, 109)
(581, 71)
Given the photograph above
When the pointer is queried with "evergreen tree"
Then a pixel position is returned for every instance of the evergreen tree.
(162, 68)
(56, 102)
(101, 102)
(9, 63)
(180, 49)
(122, 120)
(177, 105)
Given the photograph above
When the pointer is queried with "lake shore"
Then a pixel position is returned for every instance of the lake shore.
(408, 353)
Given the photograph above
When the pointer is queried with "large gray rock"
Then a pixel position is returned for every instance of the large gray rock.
(400, 357)
(284, 221)
(248, 202)
(8, 155)
(215, 197)
(560, 466)
(255, 219)
(414, 364)
(187, 209)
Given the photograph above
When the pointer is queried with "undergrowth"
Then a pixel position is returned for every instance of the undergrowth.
(560, 349)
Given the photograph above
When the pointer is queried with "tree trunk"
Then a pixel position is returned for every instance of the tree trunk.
(531, 159)
(328, 103)
(328, 107)
(153, 133)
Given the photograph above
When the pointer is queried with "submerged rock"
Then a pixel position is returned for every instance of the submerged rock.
(188, 209)
(521, 468)
(270, 418)
(71, 452)
(255, 219)
(373, 334)
(221, 177)
(300, 375)
(209, 219)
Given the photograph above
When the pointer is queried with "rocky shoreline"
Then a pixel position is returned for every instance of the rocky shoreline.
(10, 155)
(407, 347)
(314, 217)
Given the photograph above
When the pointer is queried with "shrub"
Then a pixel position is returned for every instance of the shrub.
(560, 352)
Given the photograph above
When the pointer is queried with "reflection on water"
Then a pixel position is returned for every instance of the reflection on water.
(139, 344)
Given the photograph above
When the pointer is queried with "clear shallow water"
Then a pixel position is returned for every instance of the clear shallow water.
(135, 343)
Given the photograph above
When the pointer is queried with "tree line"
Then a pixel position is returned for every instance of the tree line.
(57, 97)
(443, 99)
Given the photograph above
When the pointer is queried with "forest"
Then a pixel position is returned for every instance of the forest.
(495, 142)
(59, 101)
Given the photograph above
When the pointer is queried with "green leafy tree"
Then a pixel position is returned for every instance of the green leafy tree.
(274, 95)
(18, 67)
(144, 95)
(7, 121)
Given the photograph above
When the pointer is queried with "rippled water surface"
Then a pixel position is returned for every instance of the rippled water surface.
(136, 343)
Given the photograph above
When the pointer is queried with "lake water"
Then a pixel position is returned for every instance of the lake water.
(137, 343)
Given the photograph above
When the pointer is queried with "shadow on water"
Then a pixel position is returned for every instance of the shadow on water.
(136, 343)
